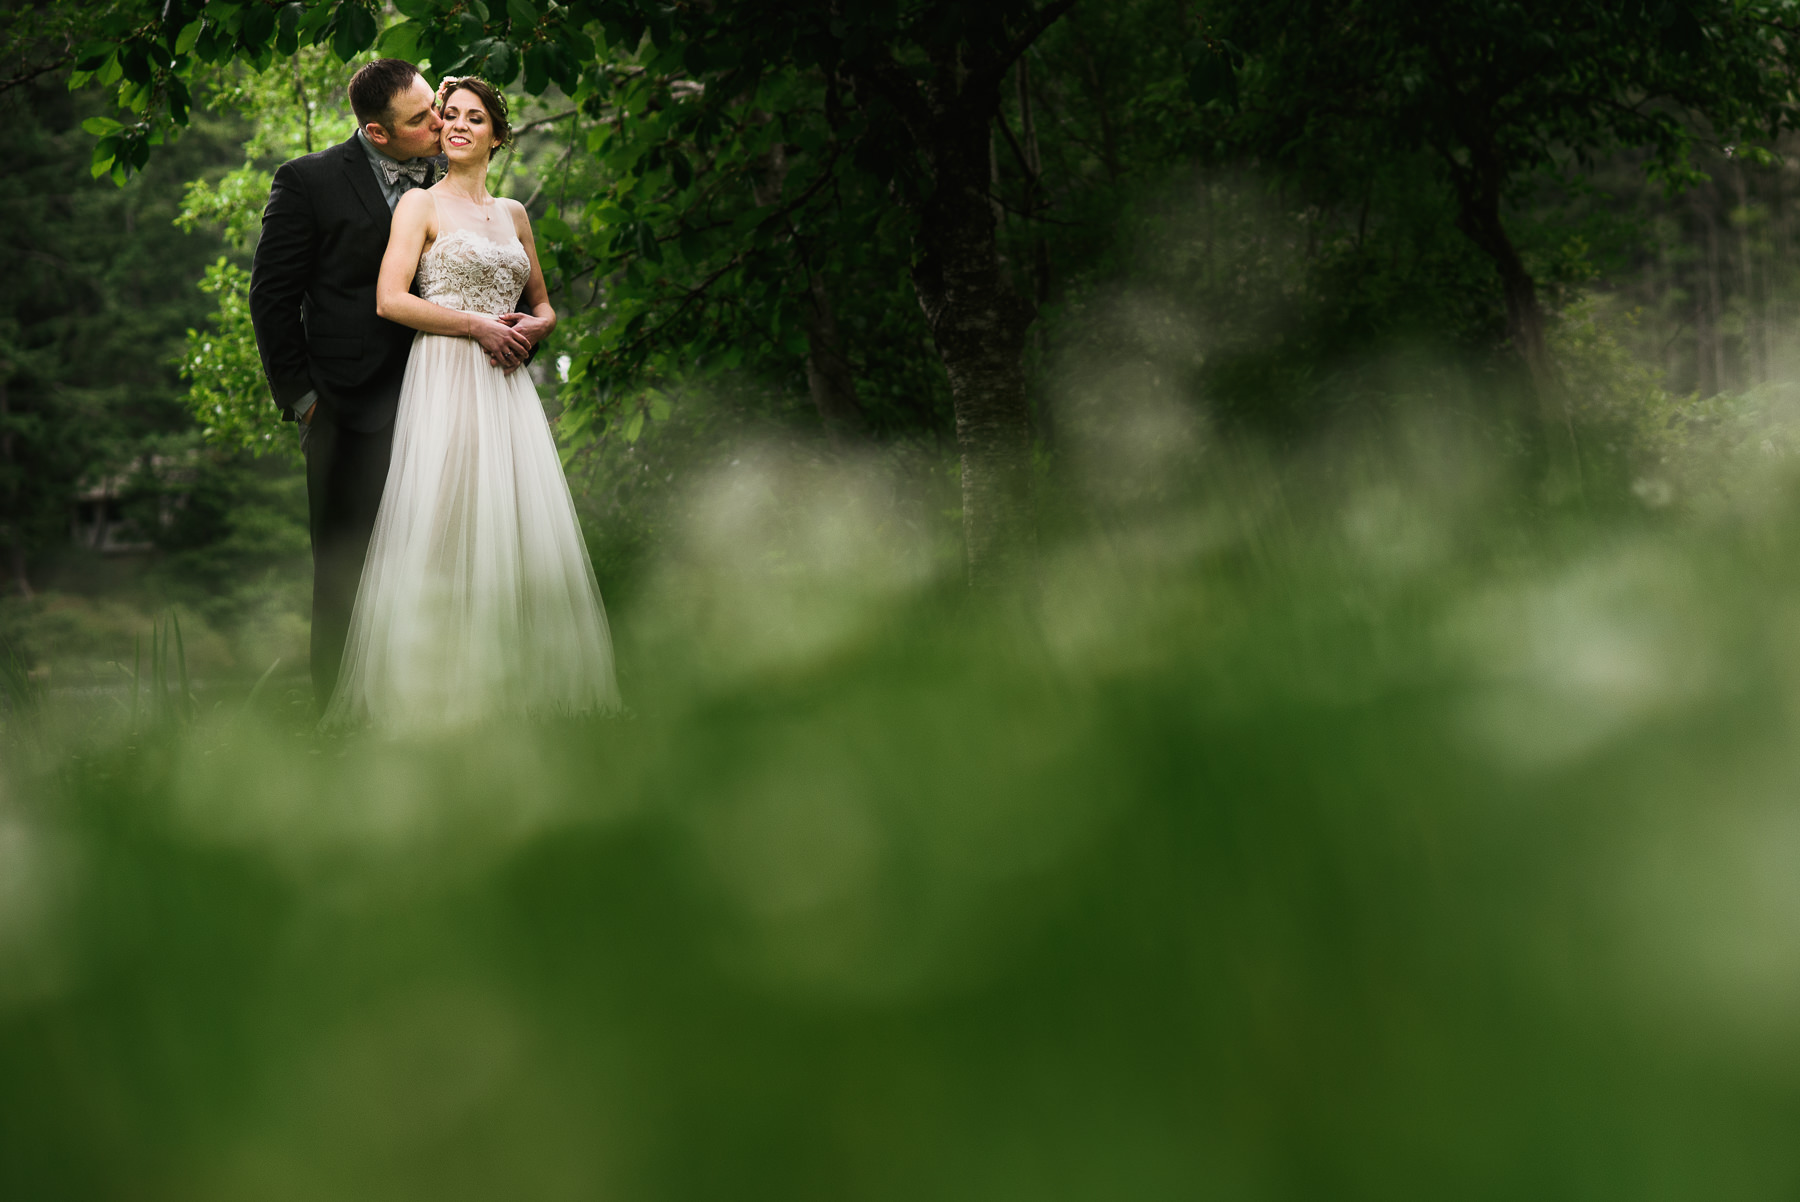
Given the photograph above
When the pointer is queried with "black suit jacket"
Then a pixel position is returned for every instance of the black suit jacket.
(312, 290)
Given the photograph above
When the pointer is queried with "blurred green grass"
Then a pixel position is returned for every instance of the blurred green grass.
(1373, 837)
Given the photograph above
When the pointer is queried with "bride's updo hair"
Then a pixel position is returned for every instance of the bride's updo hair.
(491, 100)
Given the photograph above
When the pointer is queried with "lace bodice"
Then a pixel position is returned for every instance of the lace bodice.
(472, 272)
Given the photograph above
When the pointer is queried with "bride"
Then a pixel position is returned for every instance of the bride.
(477, 598)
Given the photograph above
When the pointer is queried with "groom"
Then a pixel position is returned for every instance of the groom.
(333, 365)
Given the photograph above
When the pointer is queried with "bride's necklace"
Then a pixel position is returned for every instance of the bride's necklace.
(486, 207)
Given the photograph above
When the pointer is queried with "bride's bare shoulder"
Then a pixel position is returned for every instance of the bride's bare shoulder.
(415, 205)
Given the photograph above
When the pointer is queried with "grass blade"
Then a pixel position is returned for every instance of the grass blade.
(186, 696)
(257, 688)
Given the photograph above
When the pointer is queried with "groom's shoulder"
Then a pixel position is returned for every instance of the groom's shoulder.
(309, 165)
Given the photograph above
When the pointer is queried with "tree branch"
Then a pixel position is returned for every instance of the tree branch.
(992, 73)
(7, 85)
(1018, 151)
(693, 294)
(1002, 202)
(541, 122)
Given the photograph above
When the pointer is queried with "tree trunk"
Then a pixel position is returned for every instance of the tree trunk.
(828, 375)
(977, 321)
(1706, 379)
(1109, 140)
(1040, 246)
(1715, 302)
(1756, 342)
(15, 539)
(978, 324)
(1479, 219)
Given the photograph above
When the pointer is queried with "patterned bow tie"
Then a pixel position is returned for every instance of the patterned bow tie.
(413, 169)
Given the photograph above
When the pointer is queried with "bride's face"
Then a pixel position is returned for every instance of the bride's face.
(468, 132)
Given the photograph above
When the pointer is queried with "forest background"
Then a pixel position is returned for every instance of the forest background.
(1266, 234)
(1206, 592)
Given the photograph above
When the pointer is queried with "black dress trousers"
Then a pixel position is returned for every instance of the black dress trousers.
(346, 470)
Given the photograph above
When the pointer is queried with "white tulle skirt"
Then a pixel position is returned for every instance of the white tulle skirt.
(478, 599)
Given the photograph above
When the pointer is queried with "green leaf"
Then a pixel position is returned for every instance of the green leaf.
(635, 426)
(473, 62)
(659, 406)
(287, 28)
(522, 13)
(179, 101)
(418, 10)
(680, 168)
(355, 30)
(646, 243)
(537, 70)
(101, 126)
(91, 56)
(576, 44)
(565, 69)
(190, 33)
(555, 229)
(480, 9)
(135, 63)
(178, 91)
(258, 27)
(314, 23)
(501, 66)
(400, 41)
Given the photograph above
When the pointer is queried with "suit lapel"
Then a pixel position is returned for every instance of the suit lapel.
(362, 181)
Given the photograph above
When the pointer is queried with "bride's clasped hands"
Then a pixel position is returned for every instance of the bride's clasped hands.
(510, 337)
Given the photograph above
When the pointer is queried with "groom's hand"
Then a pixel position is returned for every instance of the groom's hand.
(534, 328)
(505, 346)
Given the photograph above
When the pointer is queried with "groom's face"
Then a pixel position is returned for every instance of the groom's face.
(413, 124)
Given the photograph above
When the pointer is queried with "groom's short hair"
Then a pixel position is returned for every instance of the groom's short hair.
(374, 86)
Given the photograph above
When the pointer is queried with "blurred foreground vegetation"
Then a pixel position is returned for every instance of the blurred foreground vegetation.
(1343, 831)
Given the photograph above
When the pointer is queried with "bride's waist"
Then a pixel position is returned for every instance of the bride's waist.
(464, 305)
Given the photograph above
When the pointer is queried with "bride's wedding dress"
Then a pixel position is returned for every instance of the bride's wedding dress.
(477, 599)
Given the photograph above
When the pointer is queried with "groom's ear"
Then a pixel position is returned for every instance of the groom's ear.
(376, 132)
